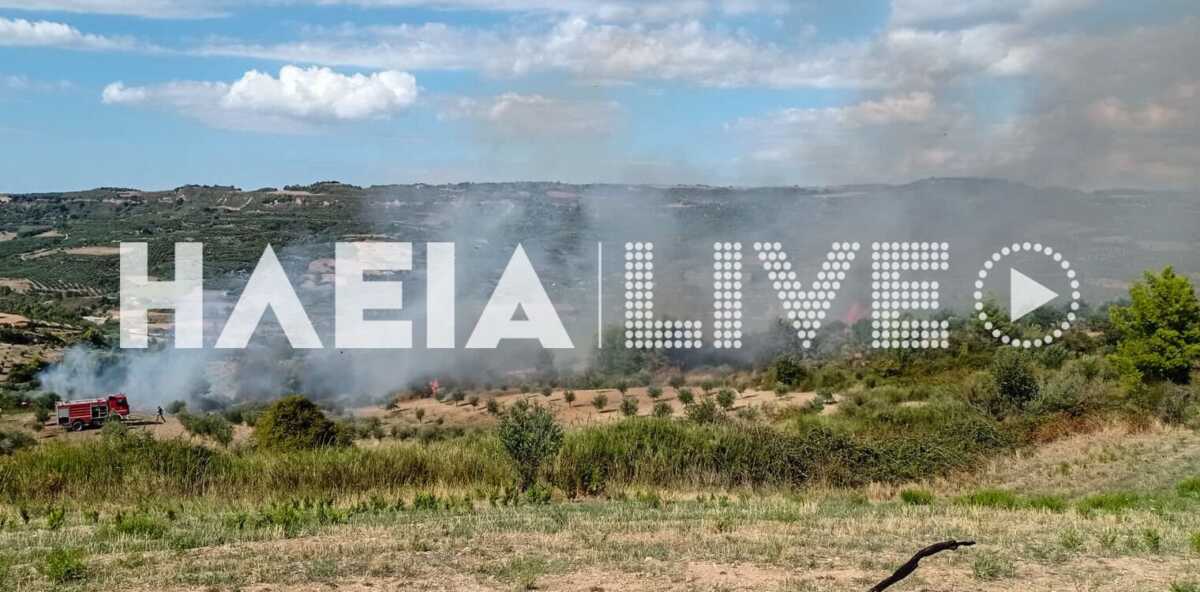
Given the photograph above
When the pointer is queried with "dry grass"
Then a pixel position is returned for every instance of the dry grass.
(818, 540)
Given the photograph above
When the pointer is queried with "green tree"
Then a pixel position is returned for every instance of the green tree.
(1013, 374)
(530, 437)
(1159, 332)
(295, 423)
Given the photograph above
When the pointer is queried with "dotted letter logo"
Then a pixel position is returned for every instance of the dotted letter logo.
(642, 331)
(893, 296)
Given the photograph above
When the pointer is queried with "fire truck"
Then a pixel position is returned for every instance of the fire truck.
(91, 413)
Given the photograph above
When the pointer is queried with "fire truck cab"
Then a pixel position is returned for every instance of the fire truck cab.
(84, 413)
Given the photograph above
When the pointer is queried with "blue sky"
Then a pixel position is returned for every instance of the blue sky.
(158, 93)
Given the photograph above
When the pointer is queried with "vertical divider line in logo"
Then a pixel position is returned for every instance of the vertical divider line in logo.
(599, 295)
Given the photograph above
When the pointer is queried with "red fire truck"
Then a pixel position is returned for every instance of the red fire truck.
(84, 413)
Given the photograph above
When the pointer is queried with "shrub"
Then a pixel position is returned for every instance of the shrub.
(1194, 541)
(12, 441)
(175, 407)
(726, 398)
(676, 381)
(41, 414)
(473, 400)
(916, 497)
(530, 437)
(600, 401)
(788, 369)
(295, 423)
(629, 406)
(419, 414)
(662, 409)
(569, 397)
(686, 396)
(547, 391)
(1159, 332)
(1015, 381)
(493, 406)
(705, 411)
(622, 387)
(63, 566)
(655, 392)
(210, 425)
(114, 428)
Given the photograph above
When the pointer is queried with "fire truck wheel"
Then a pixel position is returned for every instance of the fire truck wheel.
(77, 426)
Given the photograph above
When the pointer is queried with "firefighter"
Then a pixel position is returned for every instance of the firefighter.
(161, 418)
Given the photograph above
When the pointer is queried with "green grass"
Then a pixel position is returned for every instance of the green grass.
(916, 497)
(1108, 502)
(64, 566)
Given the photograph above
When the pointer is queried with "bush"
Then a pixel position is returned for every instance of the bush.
(662, 409)
(63, 566)
(788, 369)
(41, 414)
(686, 396)
(706, 411)
(295, 423)
(473, 400)
(175, 407)
(493, 407)
(1015, 381)
(569, 397)
(600, 401)
(530, 437)
(655, 392)
(208, 425)
(676, 381)
(726, 398)
(12, 441)
(629, 406)
(114, 428)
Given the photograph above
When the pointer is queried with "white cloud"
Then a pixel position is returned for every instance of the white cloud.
(20, 82)
(686, 51)
(297, 100)
(142, 8)
(536, 116)
(971, 12)
(609, 10)
(24, 33)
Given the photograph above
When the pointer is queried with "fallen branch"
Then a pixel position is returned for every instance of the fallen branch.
(911, 565)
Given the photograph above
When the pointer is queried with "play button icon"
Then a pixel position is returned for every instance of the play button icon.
(1026, 295)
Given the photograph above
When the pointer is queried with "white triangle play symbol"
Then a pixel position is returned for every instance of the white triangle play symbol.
(1026, 295)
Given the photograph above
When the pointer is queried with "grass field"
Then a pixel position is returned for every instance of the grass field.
(1107, 510)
